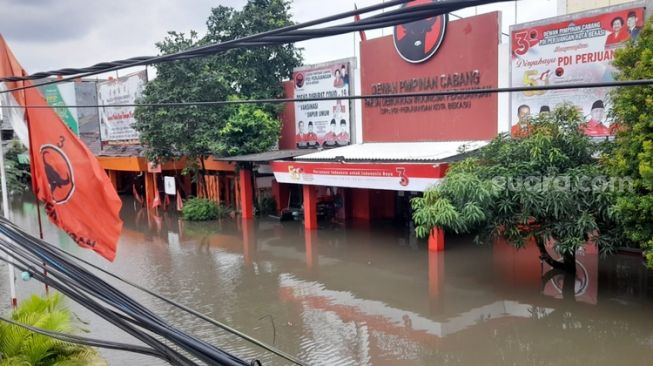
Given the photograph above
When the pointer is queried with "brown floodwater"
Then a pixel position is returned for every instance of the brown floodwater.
(369, 294)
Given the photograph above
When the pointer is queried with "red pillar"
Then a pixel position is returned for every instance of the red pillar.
(436, 240)
(312, 258)
(310, 207)
(113, 176)
(249, 241)
(246, 193)
(436, 281)
(360, 200)
(150, 187)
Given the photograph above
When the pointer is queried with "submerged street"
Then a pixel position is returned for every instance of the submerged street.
(367, 294)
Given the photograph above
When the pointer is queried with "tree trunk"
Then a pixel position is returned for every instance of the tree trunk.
(569, 261)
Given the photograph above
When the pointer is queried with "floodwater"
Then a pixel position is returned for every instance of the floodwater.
(370, 294)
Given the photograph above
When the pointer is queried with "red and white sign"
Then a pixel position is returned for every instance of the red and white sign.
(467, 59)
(391, 176)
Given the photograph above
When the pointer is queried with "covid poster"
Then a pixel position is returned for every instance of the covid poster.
(322, 123)
(574, 49)
(116, 119)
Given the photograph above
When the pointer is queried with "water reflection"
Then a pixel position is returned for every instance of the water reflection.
(372, 295)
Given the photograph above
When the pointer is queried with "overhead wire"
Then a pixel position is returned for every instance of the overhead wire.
(289, 34)
(435, 93)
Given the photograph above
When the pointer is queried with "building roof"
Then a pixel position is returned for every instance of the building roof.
(397, 151)
(265, 156)
(92, 141)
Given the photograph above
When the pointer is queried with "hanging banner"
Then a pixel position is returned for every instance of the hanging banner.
(573, 49)
(59, 96)
(116, 122)
(322, 123)
(169, 185)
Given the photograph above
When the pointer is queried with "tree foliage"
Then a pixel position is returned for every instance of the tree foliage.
(248, 130)
(17, 171)
(545, 187)
(633, 152)
(19, 346)
(197, 131)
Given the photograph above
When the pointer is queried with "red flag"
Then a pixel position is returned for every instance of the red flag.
(180, 202)
(77, 193)
(357, 18)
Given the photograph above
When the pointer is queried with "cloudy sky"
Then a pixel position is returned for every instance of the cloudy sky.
(53, 34)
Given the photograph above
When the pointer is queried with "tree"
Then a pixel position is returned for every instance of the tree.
(16, 169)
(249, 130)
(196, 131)
(544, 188)
(633, 152)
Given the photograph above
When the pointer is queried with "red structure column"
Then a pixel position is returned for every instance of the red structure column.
(150, 188)
(249, 241)
(246, 193)
(436, 240)
(360, 202)
(312, 257)
(310, 207)
(436, 281)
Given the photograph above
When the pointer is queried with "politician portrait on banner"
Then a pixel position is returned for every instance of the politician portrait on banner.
(573, 49)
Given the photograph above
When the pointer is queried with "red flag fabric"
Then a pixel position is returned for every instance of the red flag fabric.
(357, 18)
(77, 193)
(180, 202)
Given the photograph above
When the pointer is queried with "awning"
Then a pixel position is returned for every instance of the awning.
(265, 156)
(435, 152)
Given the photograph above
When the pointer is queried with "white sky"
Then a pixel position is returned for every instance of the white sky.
(53, 34)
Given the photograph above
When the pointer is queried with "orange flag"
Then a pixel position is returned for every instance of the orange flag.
(77, 193)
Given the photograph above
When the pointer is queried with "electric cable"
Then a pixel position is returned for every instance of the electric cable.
(439, 93)
(374, 22)
(86, 341)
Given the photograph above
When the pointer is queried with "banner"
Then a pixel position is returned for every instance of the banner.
(322, 123)
(60, 96)
(116, 122)
(568, 50)
(396, 177)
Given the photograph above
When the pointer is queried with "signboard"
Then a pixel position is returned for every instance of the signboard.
(466, 59)
(59, 96)
(565, 50)
(397, 177)
(116, 122)
(322, 123)
(169, 185)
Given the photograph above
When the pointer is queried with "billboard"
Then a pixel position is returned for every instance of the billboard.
(573, 49)
(322, 123)
(466, 59)
(59, 96)
(116, 122)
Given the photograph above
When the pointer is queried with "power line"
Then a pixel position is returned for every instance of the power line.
(285, 35)
(443, 93)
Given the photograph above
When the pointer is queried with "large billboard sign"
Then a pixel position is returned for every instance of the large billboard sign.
(116, 122)
(574, 49)
(458, 55)
(322, 123)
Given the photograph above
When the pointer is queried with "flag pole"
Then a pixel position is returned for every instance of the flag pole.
(34, 189)
(5, 212)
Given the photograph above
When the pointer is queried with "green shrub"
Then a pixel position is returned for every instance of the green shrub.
(202, 209)
(19, 346)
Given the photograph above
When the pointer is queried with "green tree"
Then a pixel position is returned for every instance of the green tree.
(17, 168)
(248, 130)
(633, 151)
(195, 131)
(545, 187)
(19, 346)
